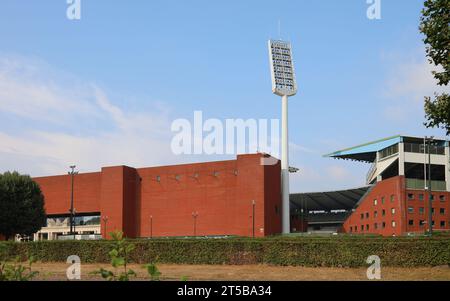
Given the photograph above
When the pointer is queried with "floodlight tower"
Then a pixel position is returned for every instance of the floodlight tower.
(283, 84)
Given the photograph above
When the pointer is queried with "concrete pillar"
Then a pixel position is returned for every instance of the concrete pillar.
(379, 178)
(401, 159)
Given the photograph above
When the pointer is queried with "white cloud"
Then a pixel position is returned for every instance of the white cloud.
(338, 173)
(408, 82)
(53, 113)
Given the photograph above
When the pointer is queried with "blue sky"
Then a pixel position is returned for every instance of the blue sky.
(104, 90)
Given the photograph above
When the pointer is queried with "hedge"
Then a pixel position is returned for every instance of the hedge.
(298, 251)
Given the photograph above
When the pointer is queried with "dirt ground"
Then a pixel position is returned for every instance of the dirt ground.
(57, 271)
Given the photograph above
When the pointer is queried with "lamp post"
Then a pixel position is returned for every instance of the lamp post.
(72, 173)
(151, 226)
(105, 220)
(195, 215)
(253, 218)
(284, 84)
(74, 221)
(430, 195)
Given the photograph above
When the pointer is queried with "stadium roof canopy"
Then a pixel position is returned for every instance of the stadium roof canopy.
(366, 152)
(327, 201)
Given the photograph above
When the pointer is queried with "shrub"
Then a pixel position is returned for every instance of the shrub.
(344, 251)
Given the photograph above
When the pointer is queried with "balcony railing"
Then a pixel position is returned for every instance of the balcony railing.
(419, 184)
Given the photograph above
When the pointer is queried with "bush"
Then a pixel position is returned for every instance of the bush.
(344, 251)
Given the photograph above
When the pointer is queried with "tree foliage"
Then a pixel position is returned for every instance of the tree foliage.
(435, 25)
(21, 205)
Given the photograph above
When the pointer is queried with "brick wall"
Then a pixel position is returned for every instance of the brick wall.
(381, 211)
(220, 193)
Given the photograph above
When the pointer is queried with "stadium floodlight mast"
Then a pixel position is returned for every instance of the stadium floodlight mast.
(284, 84)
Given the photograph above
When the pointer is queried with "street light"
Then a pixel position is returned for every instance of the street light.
(151, 226)
(72, 173)
(194, 215)
(74, 220)
(429, 141)
(105, 220)
(253, 218)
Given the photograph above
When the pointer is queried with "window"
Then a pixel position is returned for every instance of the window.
(442, 224)
(392, 198)
(432, 211)
(383, 225)
(375, 214)
(367, 214)
(383, 212)
(411, 222)
(375, 202)
(421, 197)
(393, 211)
(442, 198)
(388, 151)
(375, 226)
(421, 223)
(393, 224)
(432, 223)
(432, 197)
(351, 229)
(421, 210)
(410, 196)
(362, 228)
(410, 210)
(442, 211)
(382, 200)
(362, 215)
(367, 227)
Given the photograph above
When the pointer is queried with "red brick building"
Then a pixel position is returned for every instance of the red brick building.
(397, 200)
(202, 199)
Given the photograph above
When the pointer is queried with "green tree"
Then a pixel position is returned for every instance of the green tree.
(435, 25)
(21, 205)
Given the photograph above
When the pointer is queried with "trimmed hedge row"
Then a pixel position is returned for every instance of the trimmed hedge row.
(299, 251)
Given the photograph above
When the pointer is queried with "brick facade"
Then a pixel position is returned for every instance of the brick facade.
(389, 207)
(221, 193)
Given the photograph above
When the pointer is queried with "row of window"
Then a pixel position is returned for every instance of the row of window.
(375, 213)
(382, 225)
(388, 151)
(422, 223)
(366, 215)
(392, 199)
(366, 227)
(196, 175)
(421, 197)
(442, 211)
(420, 148)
